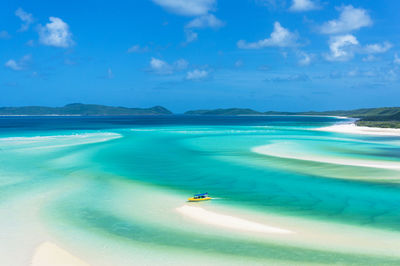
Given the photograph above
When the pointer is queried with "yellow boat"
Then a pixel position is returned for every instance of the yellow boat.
(199, 197)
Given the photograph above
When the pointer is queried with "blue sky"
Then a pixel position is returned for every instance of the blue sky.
(190, 54)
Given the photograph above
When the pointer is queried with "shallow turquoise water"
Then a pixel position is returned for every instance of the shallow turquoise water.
(84, 166)
(220, 163)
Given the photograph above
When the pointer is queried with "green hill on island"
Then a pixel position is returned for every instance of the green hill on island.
(83, 109)
(359, 113)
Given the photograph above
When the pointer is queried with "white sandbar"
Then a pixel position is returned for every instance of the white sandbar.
(283, 151)
(226, 221)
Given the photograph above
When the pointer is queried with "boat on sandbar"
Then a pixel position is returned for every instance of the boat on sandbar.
(199, 197)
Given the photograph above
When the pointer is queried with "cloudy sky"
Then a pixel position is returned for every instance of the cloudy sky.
(188, 54)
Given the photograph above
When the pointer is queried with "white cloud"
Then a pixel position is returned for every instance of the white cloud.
(342, 47)
(20, 64)
(353, 73)
(392, 75)
(4, 35)
(280, 37)
(56, 33)
(200, 9)
(161, 67)
(369, 58)
(205, 21)
(303, 5)
(137, 49)
(187, 7)
(304, 58)
(134, 49)
(362, 73)
(26, 18)
(191, 36)
(13, 65)
(180, 64)
(196, 74)
(350, 19)
(377, 48)
(396, 59)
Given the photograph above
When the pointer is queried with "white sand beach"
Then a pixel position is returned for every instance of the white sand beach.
(354, 129)
(49, 254)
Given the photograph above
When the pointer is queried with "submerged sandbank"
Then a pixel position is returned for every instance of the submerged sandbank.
(354, 129)
(49, 254)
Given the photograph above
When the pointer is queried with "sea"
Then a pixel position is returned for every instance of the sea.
(113, 190)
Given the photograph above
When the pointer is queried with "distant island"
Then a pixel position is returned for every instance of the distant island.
(83, 110)
(386, 117)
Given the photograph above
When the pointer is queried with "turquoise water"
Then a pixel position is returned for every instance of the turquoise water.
(112, 184)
